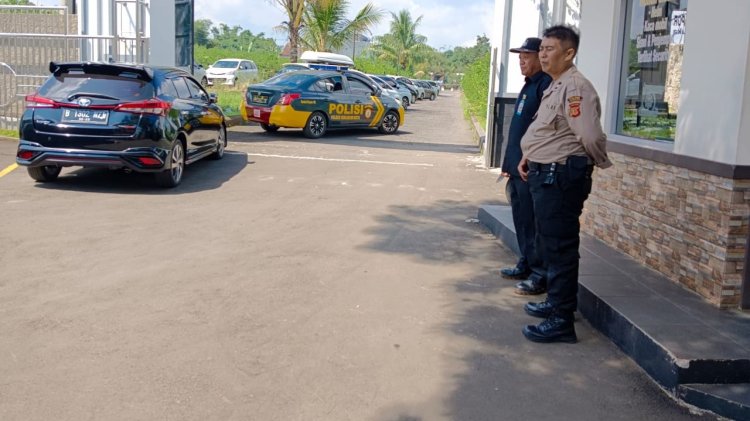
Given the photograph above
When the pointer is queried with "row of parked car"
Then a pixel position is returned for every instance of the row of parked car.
(323, 92)
(158, 120)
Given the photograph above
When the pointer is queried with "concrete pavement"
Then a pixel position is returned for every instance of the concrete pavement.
(339, 279)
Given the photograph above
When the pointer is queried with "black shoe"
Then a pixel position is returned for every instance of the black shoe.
(514, 273)
(541, 310)
(554, 329)
(529, 287)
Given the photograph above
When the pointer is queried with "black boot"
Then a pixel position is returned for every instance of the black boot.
(541, 310)
(515, 273)
(556, 328)
(530, 287)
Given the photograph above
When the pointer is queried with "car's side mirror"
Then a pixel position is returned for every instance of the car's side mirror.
(212, 98)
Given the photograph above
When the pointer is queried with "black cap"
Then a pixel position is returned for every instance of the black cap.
(531, 45)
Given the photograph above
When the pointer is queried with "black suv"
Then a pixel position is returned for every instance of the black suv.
(140, 118)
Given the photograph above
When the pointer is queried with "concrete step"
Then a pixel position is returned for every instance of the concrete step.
(673, 334)
(728, 400)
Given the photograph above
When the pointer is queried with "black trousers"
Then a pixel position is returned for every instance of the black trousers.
(558, 198)
(522, 207)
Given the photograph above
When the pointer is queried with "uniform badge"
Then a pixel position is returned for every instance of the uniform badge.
(574, 109)
(574, 99)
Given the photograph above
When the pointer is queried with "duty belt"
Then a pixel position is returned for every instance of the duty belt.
(553, 167)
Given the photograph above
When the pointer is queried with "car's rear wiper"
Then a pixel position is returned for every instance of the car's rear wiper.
(89, 94)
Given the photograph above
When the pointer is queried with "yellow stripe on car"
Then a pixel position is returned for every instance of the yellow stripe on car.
(379, 112)
(287, 116)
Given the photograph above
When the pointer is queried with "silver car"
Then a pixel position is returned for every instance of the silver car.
(230, 71)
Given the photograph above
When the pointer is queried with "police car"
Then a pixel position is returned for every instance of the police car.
(318, 100)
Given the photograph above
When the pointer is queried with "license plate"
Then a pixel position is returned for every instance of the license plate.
(85, 116)
(256, 113)
(260, 99)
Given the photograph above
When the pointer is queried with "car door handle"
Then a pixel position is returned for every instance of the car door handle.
(357, 102)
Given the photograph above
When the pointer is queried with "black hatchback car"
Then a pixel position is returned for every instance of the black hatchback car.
(119, 116)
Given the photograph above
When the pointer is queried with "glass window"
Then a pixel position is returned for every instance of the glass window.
(357, 86)
(652, 68)
(196, 92)
(182, 89)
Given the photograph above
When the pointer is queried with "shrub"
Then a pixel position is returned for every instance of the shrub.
(475, 85)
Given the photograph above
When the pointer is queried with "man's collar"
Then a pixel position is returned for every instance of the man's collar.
(536, 76)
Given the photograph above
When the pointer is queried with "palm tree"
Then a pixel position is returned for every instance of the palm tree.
(294, 10)
(326, 28)
(402, 45)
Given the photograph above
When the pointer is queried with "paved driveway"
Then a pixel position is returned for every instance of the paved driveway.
(336, 279)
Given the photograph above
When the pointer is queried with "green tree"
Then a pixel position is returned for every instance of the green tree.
(16, 3)
(294, 11)
(202, 32)
(402, 46)
(325, 26)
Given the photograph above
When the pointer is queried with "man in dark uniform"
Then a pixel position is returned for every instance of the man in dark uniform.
(560, 148)
(528, 266)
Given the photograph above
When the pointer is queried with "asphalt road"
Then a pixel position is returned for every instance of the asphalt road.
(338, 279)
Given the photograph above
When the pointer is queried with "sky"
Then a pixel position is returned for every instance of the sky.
(445, 23)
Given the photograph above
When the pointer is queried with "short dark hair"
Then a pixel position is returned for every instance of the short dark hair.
(566, 34)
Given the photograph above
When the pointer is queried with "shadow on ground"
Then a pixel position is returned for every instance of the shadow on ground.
(202, 175)
(490, 371)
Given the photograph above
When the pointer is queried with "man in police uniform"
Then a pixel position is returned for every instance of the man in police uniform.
(560, 148)
(527, 104)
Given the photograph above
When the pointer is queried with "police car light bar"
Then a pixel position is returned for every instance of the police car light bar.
(316, 66)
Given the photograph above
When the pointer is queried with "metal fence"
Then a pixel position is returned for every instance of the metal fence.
(45, 34)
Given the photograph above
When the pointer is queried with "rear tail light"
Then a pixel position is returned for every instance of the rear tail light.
(148, 161)
(287, 99)
(34, 101)
(25, 155)
(150, 106)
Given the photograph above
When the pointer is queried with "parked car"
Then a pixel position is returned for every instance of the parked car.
(430, 91)
(411, 84)
(141, 118)
(230, 71)
(199, 73)
(316, 100)
(403, 93)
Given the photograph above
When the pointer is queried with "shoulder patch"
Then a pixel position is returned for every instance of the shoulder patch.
(574, 109)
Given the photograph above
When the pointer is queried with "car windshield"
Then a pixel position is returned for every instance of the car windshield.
(226, 64)
(68, 86)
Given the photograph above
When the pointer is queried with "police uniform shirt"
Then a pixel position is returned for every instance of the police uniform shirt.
(567, 123)
(526, 107)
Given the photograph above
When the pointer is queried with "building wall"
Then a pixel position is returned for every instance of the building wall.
(677, 215)
(688, 225)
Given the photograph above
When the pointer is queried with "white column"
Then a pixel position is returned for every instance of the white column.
(162, 43)
(714, 118)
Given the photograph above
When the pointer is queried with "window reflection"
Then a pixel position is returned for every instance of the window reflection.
(652, 68)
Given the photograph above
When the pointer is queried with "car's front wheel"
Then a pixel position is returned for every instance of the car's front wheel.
(432, 97)
(270, 128)
(389, 125)
(173, 176)
(221, 144)
(44, 173)
(316, 125)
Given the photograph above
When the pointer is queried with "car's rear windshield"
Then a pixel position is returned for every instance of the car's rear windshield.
(289, 80)
(226, 64)
(69, 86)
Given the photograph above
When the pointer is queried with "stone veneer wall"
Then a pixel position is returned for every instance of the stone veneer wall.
(690, 226)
